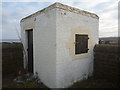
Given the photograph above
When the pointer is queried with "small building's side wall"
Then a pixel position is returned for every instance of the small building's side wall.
(44, 45)
(70, 67)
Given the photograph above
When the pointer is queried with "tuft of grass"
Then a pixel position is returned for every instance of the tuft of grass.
(24, 85)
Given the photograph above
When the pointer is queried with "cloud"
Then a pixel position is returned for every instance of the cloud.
(91, 2)
(0, 20)
(13, 12)
(107, 10)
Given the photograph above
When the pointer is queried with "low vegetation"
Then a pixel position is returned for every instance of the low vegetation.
(12, 64)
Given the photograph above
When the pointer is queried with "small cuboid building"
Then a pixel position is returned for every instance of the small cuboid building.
(58, 44)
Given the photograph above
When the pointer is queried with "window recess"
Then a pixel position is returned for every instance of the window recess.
(81, 43)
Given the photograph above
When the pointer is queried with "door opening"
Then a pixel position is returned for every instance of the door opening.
(30, 50)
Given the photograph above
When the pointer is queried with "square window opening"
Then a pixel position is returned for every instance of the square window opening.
(81, 43)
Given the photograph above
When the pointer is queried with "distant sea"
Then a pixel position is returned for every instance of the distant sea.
(10, 40)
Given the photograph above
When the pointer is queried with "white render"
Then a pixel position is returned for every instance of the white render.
(54, 31)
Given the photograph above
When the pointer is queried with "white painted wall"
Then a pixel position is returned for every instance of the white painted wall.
(53, 42)
(70, 67)
(25, 26)
(44, 45)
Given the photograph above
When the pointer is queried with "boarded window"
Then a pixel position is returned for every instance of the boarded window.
(81, 43)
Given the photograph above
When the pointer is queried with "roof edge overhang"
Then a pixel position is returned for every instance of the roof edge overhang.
(64, 7)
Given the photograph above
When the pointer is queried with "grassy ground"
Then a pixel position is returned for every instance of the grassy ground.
(12, 62)
(89, 83)
(94, 83)
(12, 58)
(9, 83)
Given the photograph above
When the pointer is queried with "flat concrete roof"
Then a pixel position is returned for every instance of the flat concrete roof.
(64, 7)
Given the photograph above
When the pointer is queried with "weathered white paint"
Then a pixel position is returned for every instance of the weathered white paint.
(70, 67)
(54, 30)
(44, 44)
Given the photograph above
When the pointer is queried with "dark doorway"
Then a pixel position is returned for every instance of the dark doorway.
(30, 50)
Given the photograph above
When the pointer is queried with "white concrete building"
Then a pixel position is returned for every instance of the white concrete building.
(59, 42)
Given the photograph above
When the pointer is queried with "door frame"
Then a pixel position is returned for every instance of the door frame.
(28, 53)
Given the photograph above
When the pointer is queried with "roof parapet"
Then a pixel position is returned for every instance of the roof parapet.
(64, 7)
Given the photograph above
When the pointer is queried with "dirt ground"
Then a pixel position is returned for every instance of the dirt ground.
(12, 63)
(94, 83)
(89, 83)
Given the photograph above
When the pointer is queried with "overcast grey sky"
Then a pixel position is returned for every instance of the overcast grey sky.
(14, 10)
